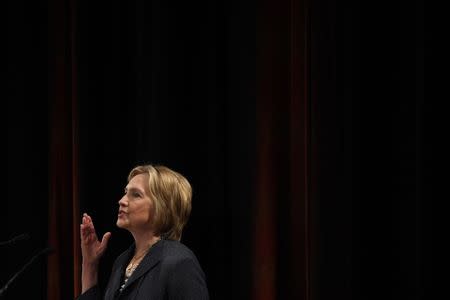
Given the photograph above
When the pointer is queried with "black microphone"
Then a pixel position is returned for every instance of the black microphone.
(21, 237)
(42, 252)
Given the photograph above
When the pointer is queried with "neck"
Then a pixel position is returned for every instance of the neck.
(144, 240)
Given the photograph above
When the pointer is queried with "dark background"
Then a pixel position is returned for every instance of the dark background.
(176, 83)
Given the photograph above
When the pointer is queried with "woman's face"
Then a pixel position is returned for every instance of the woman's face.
(136, 207)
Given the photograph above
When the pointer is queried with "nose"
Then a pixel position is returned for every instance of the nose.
(123, 201)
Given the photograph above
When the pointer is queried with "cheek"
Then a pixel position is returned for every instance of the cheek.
(144, 210)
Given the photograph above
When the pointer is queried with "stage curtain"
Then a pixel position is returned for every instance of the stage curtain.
(63, 224)
(281, 238)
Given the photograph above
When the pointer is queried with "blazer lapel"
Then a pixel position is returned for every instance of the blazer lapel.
(115, 280)
(151, 259)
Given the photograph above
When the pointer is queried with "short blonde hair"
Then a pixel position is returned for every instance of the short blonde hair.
(171, 194)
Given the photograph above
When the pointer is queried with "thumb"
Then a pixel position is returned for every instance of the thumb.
(105, 240)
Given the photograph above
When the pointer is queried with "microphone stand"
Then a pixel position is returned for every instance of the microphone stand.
(21, 237)
(42, 252)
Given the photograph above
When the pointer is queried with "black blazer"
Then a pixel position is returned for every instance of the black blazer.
(168, 271)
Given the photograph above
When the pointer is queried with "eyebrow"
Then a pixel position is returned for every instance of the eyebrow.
(133, 189)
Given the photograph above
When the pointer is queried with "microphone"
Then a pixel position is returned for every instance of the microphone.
(21, 237)
(42, 252)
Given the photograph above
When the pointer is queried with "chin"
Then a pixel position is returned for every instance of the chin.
(121, 224)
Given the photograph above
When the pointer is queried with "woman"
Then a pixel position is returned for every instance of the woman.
(154, 209)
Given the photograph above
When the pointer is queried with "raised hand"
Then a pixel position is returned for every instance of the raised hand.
(91, 248)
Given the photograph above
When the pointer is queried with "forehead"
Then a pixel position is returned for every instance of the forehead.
(138, 182)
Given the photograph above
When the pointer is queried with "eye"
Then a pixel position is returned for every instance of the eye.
(136, 195)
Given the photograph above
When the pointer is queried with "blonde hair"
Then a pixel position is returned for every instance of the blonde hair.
(171, 195)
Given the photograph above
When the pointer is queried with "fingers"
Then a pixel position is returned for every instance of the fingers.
(85, 218)
(86, 233)
(87, 222)
(104, 243)
(105, 240)
(87, 230)
(89, 219)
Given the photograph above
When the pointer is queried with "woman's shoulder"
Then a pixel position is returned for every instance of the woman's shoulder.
(175, 251)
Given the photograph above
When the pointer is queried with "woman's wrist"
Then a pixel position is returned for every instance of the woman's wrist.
(89, 264)
(89, 276)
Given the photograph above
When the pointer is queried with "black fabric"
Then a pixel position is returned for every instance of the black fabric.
(169, 271)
